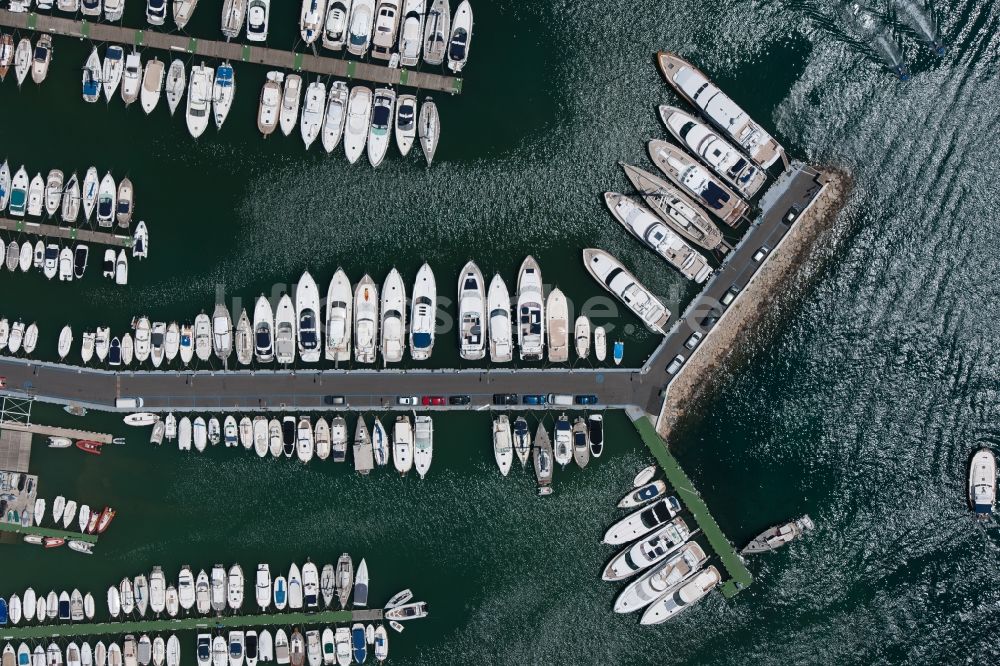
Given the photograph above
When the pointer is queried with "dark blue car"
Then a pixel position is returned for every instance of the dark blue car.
(585, 399)
(534, 400)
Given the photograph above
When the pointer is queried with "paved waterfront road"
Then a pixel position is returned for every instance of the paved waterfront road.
(372, 389)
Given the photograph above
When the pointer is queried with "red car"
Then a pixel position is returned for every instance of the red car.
(432, 400)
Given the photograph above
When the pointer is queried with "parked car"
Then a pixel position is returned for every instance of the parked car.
(504, 398)
(585, 399)
(730, 295)
(432, 400)
(534, 399)
(409, 400)
(675, 364)
(709, 320)
(459, 400)
(792, 214)
(694, 339)
(759, 255)
(334, 400)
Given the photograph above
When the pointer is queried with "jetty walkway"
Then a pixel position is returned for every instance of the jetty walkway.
(140, 626)
(232, 51)
(65, 232)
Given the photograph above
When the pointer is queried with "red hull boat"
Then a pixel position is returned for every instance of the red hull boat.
(89, 446)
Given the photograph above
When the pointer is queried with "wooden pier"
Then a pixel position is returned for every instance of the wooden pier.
(141, 626)
(67, 233)
(53, 431)
(289, 60)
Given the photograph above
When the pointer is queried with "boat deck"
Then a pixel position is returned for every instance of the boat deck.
(67, 233)
(140, 626)
(232, 51)
(739, 577)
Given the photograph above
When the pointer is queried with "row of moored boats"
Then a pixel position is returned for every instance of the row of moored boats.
(68, 263)
(369, 321)
(59, 198)
(25, 57)
(364, 120)
(411, 445)
(579, 442)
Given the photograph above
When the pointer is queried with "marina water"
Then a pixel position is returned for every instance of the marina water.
(859, 402)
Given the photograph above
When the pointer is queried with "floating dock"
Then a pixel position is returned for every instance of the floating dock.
(13, 528)
(67, 233)
(53, 431)
(232, 51)
(739, 576)
(137, 627)
(15, 450)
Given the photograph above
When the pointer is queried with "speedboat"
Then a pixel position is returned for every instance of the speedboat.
(609, 272)
(25, 257)
(660, 238)
(312, 110)
(365, 320)
(681, 565)
(384, 29)
(694, 180)
(183, 9)
(581, 443)
(258, 20)
(222, 332)
(30, 338)
(983, 483)
(87, 347)
(152, 85)
(406, 123)
(65, 264)
(645, 553)
(262, 586)
(91, 7)
(437, 29)
(70, 200)
(102, 341)
(106, 201)
(429, 129)
(359, 113)
(307, 318)
(498, 306)
(393, 318)
(156, 343)
(199, 102)
(461, 37)
(270, 103)
(114, 66)
(311, 20)
(22, 60)
(423, 314)
(361, 585)
(321, 437)
(715, 152)
(284, 331)
(132, 76)
(595, 432)
(224, 88)
(381, 123)
(65, 341)
(260, 436)
(156, 596)
(234, 588)
(290, 100)
(92, 77)
(51, 266)
(113, 10)
(542, 458)
(4, 189)
(402, 444)
(339, 305)
(186, 588)
(777, 536)
(557, 326)
(674, 602)
(342, 641)
(125, 203)
(618, 353)
(530, 311)
(41, 58)
(423, 444)
(310, 585)
(581, 337)
(202, 336)
(140, 241)
(295, 600)
(410, 611)
(359, 34)
(335, 26)
(53, 194)
(218, 590)
(121, 268)
(297, 648)
(691, 84)
(176, 84)
(305, 445)
(263, 330)
(185, 343)
(142, 339)
(380, 443)
(18, 193)
(336, 115)
(640, 523)
(675, 208)
(233, 15)
(344, 578)
(202, 593)
(503, 447)
(471, 313)
(411, 32)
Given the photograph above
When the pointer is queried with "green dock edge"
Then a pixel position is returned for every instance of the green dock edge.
(739, 577)
(48, 532)
(37, 632)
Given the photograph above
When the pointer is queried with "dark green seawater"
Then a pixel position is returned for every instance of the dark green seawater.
(859, 404)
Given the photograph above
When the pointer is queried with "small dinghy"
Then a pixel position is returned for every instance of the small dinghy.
(175, 85)
(429, 129)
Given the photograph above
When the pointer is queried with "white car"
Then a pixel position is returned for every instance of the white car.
(408, 400)
(675, 364)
